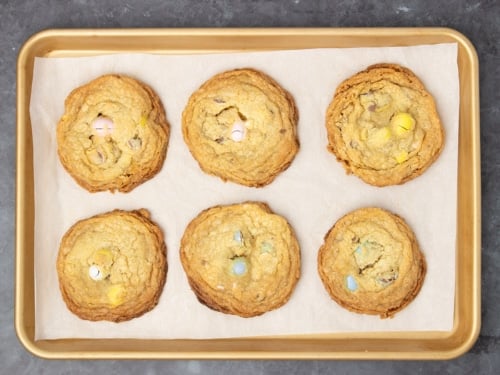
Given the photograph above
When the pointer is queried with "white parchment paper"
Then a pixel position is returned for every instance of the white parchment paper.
(312, 194)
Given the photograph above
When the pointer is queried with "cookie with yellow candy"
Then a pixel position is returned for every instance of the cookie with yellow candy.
(240, 125)
(383, 125)
(241, 259)
(112, 266)
(370, 262)
(113, 134)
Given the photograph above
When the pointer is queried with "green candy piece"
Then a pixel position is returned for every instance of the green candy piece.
(266, 247)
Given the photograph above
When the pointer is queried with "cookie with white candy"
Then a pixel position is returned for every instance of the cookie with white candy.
(241, 259)
(370, 262)
(113, 134)
(240, 125)
(112, 266)
(383, 125)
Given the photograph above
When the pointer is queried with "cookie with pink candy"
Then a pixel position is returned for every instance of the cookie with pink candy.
(241, 126)
(113, 134)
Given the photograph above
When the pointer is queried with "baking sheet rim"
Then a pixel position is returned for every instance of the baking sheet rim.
(21, 205)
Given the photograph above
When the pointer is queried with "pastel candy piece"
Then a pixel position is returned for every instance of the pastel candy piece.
(238, 131)
(103, 126)
(238, 236)
(380, 136)
(402, 123)
(101, 261)
(358, 250)
(351, 283)
(363, 134)
(239, 266)
(103, 256)
(116, 294)
(95, 273)
(401, 157)
(266, 247)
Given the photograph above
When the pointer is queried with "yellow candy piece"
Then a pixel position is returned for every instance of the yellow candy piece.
(103, 257)
(402, 123)
(402, 157)
(363, 134)
(143, 121)
(116, 294)
(380, 136)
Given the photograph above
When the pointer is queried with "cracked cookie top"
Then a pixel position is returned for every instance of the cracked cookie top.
(240, 125)
(112, 266)
(241, 259)
(383, 125)
(370, 262)
(113, 134)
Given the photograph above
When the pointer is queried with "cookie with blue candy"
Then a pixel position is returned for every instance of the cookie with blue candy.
(112, 266)
(370, 262)
(241, 259)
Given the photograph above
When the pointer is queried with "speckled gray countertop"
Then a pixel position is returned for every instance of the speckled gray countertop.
(479, 20)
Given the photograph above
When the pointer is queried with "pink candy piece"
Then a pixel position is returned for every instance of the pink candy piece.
(238, 132)
(103, 126)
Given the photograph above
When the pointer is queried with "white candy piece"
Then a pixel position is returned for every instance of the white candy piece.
(238, 131)
(95, 272)
(103, 126)
(238, 236)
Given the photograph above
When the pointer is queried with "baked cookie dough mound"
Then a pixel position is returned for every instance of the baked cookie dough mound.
(370, 262)
(240, 125)
(383, 126)
(112, 266)
(241, 259)
(113, 134)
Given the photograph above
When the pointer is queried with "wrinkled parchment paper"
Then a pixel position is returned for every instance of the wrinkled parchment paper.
(312, 194)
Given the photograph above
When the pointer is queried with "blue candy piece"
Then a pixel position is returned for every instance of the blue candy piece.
(239, 266)
(238, 236)
(352, 285)
(358, 250)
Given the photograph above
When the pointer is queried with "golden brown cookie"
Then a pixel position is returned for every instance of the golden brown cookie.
(370, 262)
(112, 266)
(383, 126)
(241, 259)
(240, 125)
(113, 134)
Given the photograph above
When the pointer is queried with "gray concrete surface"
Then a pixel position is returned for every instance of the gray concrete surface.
(479, 20)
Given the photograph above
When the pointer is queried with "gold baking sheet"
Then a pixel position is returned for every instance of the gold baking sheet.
(382, 345)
